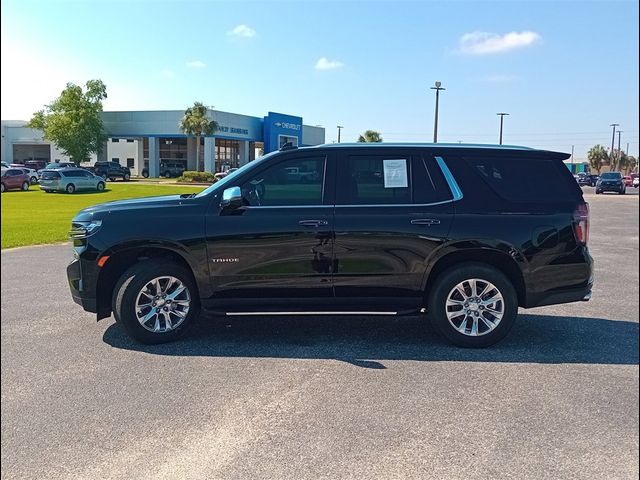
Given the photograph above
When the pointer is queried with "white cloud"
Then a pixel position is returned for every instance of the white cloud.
(167, 73)
(325, 64)
(242, 31)
(196, 64)
(484, 43)
(498, 78)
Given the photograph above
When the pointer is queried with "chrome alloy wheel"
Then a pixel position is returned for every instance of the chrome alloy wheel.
(163, 304)
(475, 307)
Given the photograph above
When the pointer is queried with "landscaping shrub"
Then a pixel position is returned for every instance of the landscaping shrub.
(199, 177)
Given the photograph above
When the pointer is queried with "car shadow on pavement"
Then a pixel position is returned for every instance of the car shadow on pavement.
(366, 341)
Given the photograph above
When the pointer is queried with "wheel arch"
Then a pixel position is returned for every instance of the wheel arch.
(511, 264)
(122, 258)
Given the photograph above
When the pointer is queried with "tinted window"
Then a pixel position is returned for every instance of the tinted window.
(429, 184)
(292, 182)
(14, 172)
(526, 180)
(50, 175)
(611, 176)
(374, 180)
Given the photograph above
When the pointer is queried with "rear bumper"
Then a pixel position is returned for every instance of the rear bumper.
(563, 296)
(610, 188)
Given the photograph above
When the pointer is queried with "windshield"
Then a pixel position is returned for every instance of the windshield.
(228, 180)
(611, 175)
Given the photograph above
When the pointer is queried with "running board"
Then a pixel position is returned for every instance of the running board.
(238, 314)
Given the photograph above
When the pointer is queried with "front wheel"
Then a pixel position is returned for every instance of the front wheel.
(155, 301)
(167, 175)
(70, 188)
(623, 191)
(104, 176)
(473, 305)
(126, 177)
(100, 187)
(25, 186)
(2, 185)
(33, 180)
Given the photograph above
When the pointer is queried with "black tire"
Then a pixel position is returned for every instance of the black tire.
(2, 188)
(447, 281)
(623, 191)
(100, 187)
(145, 173)
(133, 281)
(104, 177)
(126, 177)
(167, 175)
(33, 180)
(70, 188)
(598, 192)
(25, 186)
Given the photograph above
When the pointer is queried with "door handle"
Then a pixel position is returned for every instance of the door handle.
(313, 223)
(425, 221)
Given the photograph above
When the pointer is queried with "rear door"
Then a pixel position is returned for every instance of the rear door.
(393, 209)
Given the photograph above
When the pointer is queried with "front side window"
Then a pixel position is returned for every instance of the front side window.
(297, 181)
(374, 180)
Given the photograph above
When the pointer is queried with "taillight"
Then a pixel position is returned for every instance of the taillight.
(581, 223)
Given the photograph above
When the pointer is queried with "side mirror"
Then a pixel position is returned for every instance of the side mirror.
(231, 198)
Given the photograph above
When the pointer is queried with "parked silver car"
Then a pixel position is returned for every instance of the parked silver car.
(70, 180)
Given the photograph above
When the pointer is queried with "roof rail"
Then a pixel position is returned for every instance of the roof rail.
(288, 146)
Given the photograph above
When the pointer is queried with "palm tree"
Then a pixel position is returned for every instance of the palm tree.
(370, 136)
(196, 122)
(597, 155)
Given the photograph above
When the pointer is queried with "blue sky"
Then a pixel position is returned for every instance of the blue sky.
(563, 70)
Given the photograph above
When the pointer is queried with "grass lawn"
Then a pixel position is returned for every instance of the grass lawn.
(35, 217)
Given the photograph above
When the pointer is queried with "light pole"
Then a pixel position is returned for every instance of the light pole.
(619, 152)
(437, 88)
(613, 139)
(501, 123)
(340, 127)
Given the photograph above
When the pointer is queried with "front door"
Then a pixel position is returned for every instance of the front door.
(392, 211)
(277, 249)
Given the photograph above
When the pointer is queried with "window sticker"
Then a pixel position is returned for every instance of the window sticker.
(395, 173)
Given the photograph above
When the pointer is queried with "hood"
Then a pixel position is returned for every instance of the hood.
(102, 209)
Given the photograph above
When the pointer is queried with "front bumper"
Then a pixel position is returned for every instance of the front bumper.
(81, 291)
(610, 188)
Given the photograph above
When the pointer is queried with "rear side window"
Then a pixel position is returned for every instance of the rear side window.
(374, 180)
(526, 180)
(429, 184)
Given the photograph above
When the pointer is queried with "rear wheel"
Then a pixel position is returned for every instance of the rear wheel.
(2, 185)
(126, 177)
(623, 191)
(70, 188)
(100, 187)
(155, 301)
(104, 176)
(473, 305)
(25, 186)
(167, 175)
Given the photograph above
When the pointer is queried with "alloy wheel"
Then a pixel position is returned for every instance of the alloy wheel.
(163, 304)
(475, 307)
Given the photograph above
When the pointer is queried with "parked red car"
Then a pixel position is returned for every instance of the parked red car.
(628, 181)
(14, 179)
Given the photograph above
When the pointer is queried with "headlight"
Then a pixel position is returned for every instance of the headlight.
(84, 229)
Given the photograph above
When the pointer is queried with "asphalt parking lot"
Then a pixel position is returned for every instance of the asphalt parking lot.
(298, 398)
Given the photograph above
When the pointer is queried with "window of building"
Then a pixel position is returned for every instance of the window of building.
(115, 159)
(115, 140)
(130, 140)
(374, 180)
(284, 139)
(130, 162)
(227, 154)
(292, 182)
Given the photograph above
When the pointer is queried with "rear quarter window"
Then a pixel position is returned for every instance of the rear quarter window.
(50, 175)
(526, 180)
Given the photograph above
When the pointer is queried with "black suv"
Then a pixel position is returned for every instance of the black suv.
(111, 171)
(379, 228)
(167, 170)
(611, 182)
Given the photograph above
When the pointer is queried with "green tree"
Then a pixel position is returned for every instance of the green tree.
(597, 156)
(195, 121)
(370, 136)
(73, 121)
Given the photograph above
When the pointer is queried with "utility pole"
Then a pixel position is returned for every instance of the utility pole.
(619, 152)
(572, 166)
(340, 127)
(501, 122)
(437, 88)
(613, 139)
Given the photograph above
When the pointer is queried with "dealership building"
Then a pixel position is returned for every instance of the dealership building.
(145, 139)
